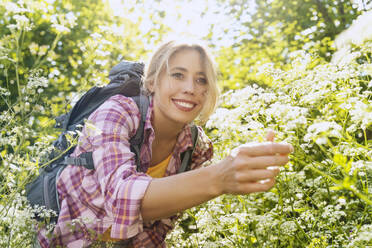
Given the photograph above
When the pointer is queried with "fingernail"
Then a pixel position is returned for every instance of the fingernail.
(291, 148)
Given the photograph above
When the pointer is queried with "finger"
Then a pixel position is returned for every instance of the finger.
(256, 175)
(257, 187)
(270, 136)
(264, 149)
(245, 162)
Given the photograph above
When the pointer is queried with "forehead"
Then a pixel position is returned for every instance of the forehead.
(189, 59)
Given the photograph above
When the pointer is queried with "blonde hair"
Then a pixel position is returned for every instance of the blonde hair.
(159, 62)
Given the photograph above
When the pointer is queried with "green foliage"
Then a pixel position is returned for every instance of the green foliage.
(269, 31)
(323, 195)
(50, 53)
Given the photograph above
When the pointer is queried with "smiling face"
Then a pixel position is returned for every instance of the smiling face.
(180, 93)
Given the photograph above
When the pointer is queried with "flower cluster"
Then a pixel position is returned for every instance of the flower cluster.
(322, 197)
(21, 116)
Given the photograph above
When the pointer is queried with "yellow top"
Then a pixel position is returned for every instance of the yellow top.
(156, 171)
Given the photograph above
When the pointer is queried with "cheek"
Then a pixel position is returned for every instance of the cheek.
(204, 93)
(165, 86)
(204, 98)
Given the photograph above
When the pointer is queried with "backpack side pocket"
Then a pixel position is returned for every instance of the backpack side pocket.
(43, 191)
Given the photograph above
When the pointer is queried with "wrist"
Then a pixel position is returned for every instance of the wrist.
(214, 187)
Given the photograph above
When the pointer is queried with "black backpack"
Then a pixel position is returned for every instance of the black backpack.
(126, 79)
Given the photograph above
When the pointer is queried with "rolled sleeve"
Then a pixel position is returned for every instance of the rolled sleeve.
(121, 185)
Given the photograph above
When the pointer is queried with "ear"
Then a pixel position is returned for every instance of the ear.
(151, 87)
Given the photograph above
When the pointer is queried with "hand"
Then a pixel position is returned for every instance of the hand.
(252, 167)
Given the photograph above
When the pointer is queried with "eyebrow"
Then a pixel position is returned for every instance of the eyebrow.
(185, 70)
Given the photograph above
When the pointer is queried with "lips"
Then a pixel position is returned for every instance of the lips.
(184, 105)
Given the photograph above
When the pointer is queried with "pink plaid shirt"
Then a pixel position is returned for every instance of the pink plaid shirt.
(110, 196)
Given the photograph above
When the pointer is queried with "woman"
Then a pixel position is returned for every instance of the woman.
(114, 202)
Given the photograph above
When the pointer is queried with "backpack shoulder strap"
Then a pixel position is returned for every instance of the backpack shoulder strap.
(137, 140)
(186, 156)
(86, 159)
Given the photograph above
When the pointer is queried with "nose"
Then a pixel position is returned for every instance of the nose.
(189, 85)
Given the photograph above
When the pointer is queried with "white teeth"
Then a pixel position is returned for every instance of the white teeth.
(185, 104)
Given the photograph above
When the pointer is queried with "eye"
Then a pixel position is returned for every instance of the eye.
(201, 80)
(177, 75)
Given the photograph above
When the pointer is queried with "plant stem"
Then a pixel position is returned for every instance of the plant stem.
(352, 189)
(17, 79)
(40, 61)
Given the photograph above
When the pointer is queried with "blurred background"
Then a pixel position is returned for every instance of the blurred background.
(300, 67)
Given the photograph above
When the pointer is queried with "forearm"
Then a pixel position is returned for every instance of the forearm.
(170, 195)
(252, 168)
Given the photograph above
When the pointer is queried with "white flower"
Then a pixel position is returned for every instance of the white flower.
(363, 237)
(352, 128)
(13, 8)
(60, 28)
(342, 201)
(288, 227)
(4, 92)
(33, 48)
(22, 23)
(42, 50)
(299, 195)
(21, 19)
(71, 19)
(325, 129)
(361, 166)
(321, 141)
(361, 113)
(253, 125)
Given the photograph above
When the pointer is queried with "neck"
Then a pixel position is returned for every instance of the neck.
(165, 131)
(166, 136)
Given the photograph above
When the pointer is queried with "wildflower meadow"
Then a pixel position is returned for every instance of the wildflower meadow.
(322, 198)
(317, 97)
